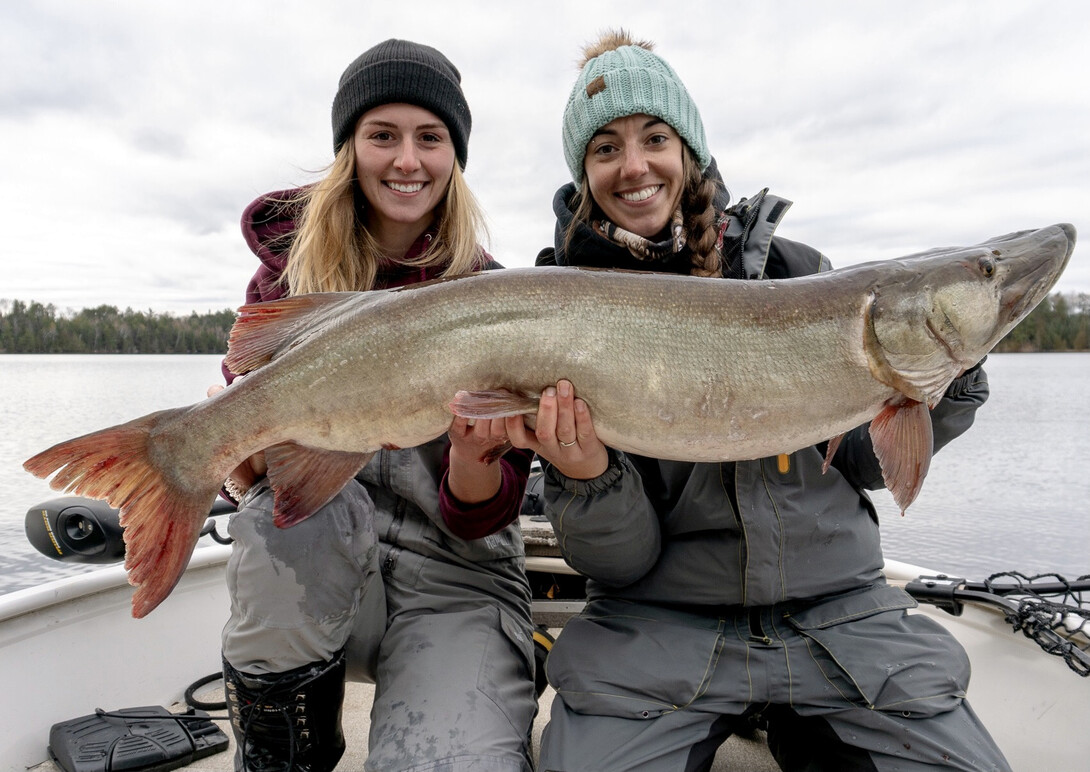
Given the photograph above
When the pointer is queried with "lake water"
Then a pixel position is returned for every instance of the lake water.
(1013, 493)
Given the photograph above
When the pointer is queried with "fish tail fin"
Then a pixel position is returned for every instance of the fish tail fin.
(493, 403)
(904, 443)
(161, 519)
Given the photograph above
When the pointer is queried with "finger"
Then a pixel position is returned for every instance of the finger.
(458, 427)
(519, 435)
(483, 430)
(565, 412)
(546, 416)
(498, 430)
(584, 425)
(215, 388)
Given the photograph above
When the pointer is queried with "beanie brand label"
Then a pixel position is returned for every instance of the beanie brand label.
(596, 86)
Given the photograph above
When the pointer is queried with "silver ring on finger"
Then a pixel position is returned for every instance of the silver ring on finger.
(569, 444)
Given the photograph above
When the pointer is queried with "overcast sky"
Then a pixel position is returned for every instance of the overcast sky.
(133, 133)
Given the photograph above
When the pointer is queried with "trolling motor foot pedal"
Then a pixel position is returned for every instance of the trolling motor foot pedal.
(148, 739)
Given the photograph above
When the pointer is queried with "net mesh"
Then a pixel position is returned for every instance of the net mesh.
(1050, 610)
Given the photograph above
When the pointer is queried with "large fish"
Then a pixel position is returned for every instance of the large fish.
(671, 366)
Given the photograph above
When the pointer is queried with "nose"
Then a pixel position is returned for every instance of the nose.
(633, 162)
(407, 160)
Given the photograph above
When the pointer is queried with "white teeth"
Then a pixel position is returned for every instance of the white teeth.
(406, 187)
(641, 195)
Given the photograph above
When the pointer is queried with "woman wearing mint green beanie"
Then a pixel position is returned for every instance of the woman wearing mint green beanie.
(722, 597)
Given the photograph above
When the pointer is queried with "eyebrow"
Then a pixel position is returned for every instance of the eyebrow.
(390, 124)
(652, 121)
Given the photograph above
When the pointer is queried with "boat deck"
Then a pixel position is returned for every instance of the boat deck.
(738, 753)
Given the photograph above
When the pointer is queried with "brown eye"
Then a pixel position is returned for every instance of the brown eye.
(987, 266)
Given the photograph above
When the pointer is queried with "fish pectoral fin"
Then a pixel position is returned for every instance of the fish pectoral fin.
(903, 442)
(263, 330)
(492, 403)
(306, 479)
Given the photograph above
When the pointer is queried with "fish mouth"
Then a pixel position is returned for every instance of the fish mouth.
(1032, 268)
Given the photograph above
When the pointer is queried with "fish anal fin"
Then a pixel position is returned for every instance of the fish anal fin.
(162, 518)
(263, 330)
(834, 443)
(492, 403)
(903, 442)
(305, 479)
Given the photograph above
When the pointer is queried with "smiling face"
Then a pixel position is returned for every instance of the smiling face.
(636, 174)
(404, 162)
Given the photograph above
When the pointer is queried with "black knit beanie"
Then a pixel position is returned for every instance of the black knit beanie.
(402, 71)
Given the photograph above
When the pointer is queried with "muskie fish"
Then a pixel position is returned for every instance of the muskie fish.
(672, 366)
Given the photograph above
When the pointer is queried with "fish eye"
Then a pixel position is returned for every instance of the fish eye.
(987, 266)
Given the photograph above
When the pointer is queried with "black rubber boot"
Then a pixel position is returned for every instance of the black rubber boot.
(287, 722)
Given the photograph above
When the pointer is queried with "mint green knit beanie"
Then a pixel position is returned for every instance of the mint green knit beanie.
(626, 81)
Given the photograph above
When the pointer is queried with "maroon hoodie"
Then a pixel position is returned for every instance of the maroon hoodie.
(267, 225)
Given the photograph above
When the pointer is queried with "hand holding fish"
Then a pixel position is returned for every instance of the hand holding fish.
(564, 434)
(475, 446)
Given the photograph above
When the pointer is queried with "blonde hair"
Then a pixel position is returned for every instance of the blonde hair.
(332, 250)
(698, 216)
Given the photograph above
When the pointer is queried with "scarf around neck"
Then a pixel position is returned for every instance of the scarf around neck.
(642, 248)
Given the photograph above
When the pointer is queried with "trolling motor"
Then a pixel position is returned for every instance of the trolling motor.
(75, 529)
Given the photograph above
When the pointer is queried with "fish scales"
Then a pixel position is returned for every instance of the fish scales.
(672, 367)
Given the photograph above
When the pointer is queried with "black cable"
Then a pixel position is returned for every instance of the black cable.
(193, 702)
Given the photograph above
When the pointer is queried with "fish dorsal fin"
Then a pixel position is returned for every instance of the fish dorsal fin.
(903, 442)
(306, 479)
(263, 331)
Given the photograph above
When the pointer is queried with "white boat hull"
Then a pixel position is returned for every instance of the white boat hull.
(71, 646)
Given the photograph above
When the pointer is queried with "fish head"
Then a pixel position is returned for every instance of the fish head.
(942, 311)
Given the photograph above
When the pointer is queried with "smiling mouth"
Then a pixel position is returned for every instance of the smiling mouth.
(635, 196)
(405, 187)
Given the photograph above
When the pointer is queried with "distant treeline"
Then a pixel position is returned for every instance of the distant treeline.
(1059, 323)
(34, 328)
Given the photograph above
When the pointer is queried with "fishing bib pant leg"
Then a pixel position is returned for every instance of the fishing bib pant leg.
(295, 593)
(853, 684)
(446, 642)
(454, 683)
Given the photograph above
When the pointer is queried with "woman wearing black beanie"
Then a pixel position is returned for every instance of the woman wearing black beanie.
(412, 576)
